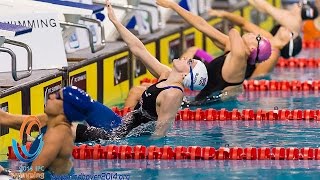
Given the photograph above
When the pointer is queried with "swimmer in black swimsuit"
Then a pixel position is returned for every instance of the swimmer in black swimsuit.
(144, 112)
(160, 102)
(281, 39)
(227, 71)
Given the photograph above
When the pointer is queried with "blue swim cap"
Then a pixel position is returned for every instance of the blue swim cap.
(76, 103)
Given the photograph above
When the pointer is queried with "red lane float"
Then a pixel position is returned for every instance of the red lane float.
(234, 115)
(95, 152)
(299, 62)
(273, 85)
(310, 44)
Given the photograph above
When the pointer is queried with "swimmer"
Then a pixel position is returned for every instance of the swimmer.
(56, 153)
(227, 71)
(292, 18)
(281, 40)
(311, 28)
(161, 101)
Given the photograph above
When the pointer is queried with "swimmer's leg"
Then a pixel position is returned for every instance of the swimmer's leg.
(85, 133)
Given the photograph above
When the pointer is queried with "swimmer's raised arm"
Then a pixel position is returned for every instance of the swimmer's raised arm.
(15, 121)
(238, 50)
(137, 47)
(169, 107)
(218, 38)
(240, 21)
(290, 19)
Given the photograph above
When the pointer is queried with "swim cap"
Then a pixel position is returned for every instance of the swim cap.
(76, 103)
(197, 78)
(292, 48)
(308, 10)
(263, 51)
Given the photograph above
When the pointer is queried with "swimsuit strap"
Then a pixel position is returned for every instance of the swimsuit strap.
(177, 87)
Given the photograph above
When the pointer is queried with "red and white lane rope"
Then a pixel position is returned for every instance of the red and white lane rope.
(192, 152)
(246, 114)
(299, 62)
(272, 85)
(310, 44)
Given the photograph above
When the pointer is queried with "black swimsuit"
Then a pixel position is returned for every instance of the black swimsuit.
(249, 70)
(144, 112)
(215, 80)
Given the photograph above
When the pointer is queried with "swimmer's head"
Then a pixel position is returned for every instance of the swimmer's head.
(76, 103)
(54, 104)
(261, 50)
(294, 45)
(197, 77)
(308, 10)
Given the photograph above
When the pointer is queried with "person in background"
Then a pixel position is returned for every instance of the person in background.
(291, 18)
(281, 40)
(227, 71)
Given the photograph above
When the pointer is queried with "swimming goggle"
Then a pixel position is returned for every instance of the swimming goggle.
(58, 96)
(258, 38)
(291, 45)
(190, 61)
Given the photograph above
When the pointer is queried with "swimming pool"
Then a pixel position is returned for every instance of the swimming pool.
(227, 133)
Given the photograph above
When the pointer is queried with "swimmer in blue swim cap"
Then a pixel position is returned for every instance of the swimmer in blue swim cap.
(55, 156)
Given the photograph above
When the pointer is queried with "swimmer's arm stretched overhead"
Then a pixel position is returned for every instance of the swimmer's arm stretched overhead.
(15, 121)
(235, 59)
(168, 107)
(218, 38)
(137, 47)
(289, 19)
(240, 21)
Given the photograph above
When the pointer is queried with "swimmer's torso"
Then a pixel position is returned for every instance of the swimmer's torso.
(215, 80)
(63, 163)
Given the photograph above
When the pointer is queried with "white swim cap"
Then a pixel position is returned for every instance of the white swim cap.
(197, 78)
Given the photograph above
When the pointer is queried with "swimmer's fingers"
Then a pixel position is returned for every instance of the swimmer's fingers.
(111, 14)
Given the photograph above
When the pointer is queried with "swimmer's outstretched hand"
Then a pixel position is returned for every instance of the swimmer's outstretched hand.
(3, 116)
(165, 3)
(217, 13)
(260, 5)
(111, 14)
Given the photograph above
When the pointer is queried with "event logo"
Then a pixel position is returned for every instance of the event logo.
(26, 126)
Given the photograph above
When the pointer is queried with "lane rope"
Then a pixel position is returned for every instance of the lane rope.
(97, 151)
(234, 115)
(270, 85)
(298, 63)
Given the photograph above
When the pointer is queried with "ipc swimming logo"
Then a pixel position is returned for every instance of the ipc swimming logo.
(26, 126)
